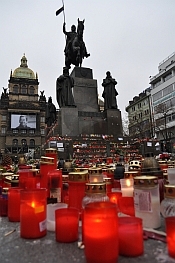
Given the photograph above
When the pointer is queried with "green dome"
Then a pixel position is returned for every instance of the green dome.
(23, 71)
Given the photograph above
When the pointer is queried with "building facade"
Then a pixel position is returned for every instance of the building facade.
(163, 102)
(139, 116)
(22, 113)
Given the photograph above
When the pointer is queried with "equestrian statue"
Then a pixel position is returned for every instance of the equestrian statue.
(75, 50)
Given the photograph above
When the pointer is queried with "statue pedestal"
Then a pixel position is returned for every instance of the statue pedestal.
(69, 121)
(85, 90)
(114, 122)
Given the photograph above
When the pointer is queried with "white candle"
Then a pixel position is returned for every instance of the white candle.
(127, 188)
(148, 210)
(127, 191)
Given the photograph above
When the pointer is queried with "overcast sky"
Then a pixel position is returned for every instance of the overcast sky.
(127, 37)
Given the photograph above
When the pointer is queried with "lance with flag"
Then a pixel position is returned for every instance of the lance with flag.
(61, 10)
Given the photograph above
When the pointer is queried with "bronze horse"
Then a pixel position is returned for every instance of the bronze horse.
(77, 50)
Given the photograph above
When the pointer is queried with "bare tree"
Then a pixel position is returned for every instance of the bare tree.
(162, 112)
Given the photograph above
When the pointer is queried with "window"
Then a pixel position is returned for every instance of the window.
(168, 76)
(23, 89)
(157, 83)
(3, 130)
(140, 115)
(4, 117)
(42, 119)
(146, 112)
(31, 90)
(32, 131)
(42, 131)
(15, 131)
(32, 142)
(15, 89)
(168, 90)
(139, 105)
(157, 96)
(15, 142)
(23, 142)
(23, 131)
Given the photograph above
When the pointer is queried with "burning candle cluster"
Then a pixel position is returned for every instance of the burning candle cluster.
(112, 218)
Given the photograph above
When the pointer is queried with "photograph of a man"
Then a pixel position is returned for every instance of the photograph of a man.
(22, 122)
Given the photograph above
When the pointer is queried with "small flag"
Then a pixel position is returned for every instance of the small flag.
(59, 10)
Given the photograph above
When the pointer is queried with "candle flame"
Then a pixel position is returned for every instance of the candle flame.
(128, 183)
(33, 204)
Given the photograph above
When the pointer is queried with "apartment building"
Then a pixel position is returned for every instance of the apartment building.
(163, 102)
(139, 116)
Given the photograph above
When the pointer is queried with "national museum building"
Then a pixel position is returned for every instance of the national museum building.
(22, 112)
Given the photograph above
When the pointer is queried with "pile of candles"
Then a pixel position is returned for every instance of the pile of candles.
(108, 214)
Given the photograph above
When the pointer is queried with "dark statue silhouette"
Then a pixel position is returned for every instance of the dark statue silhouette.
(50, 117)
(109, 93)
(64, 85)
(75, 49)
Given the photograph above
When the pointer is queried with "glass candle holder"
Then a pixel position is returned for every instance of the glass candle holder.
(147, 200)
(114, 197)
(46, 166)
(100, 230)
(95, 178)
(14, 204)
(127, 186)
(4, 175)
(130, 227)
(67, 221)
(171, 175)
(51, 208)
(170, 232)
(126, 205)
(110, 173)
(4, 202)
(23, 176)
(53, 153)
(167, 206)
(77, 182)
(109, 184)
(33, 213)
(55, 184)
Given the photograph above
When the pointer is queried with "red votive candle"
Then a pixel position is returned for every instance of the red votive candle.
(14, 204)
(114, 196)
(130, 236)
(126, 205)
(23, 175)
(46, 166)
(66, 224)
(100, 232)
(4, 202)
(77, 184)
(55, 184)
(170, 232)
(53, 153)
(33, 213)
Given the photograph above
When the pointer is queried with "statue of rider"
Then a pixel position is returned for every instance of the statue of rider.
(70, 49)
(69, 38)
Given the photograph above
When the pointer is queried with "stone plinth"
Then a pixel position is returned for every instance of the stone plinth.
(85, 90)
(114, 122)
(69, 121)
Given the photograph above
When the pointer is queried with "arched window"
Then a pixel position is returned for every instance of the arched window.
(15, 142)
(32, 142)
(23, 142)
(23, 89)
(31, 90)
(15, 89)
